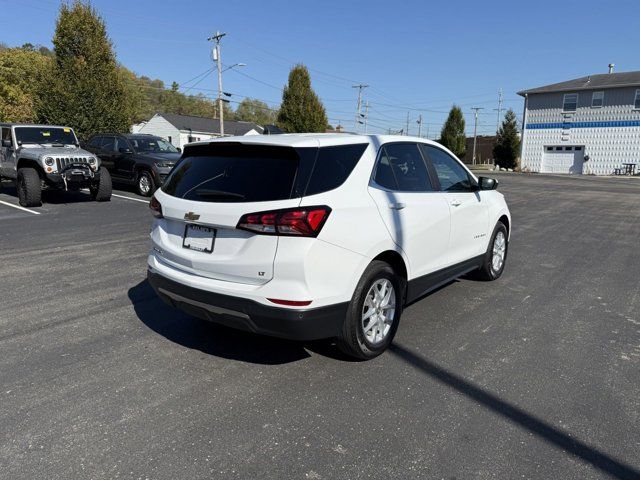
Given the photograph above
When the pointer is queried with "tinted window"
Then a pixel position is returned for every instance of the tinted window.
(95, 142)
(401, 167)
(108, 144)
(229, 172)
(453, 177)
(332, 167)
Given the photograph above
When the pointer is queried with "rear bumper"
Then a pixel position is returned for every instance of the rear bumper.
(245, 314)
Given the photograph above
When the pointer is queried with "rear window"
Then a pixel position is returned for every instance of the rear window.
(235, 173)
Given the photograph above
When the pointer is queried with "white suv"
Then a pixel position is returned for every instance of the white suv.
(320, 236)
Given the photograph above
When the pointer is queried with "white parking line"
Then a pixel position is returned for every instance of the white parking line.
(129, 198)
(122, 196)
(19, 207)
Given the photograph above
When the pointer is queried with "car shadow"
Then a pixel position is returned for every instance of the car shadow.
(54, 197)
(213, 339)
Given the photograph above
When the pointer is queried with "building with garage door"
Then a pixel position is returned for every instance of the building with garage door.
(589, 125)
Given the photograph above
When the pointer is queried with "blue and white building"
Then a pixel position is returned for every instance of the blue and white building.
(590, 125)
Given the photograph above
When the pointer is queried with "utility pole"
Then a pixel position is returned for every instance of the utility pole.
(407, 130)
(360, 87)
(475, 132)
(217, 57)
(419, 122)
(366, 115)
(499, 109)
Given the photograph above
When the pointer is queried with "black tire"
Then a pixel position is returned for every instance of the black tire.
(352, 340)
(149, 187)
(487, 271)
(102, 191)
(29, 186)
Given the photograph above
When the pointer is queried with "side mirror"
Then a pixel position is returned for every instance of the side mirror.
(7, 143)
(486, 183)
(125, 150)
(179, 149)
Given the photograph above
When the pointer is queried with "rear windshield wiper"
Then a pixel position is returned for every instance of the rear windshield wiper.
(205, 192)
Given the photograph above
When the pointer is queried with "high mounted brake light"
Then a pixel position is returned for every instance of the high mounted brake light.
(155, 207)
(293, 222)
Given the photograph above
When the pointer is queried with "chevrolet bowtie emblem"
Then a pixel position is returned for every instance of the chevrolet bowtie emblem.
(191, 216)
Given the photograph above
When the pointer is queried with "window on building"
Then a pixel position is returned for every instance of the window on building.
(169, 139)
(597, 99)
(570, 102)
(636, 103)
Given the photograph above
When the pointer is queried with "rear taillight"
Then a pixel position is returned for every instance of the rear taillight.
(298, 222)
(155, 207)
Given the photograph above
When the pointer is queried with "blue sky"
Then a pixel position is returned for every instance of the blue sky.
(417, 56)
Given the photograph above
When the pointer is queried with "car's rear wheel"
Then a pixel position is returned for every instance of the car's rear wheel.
(146, 185)
(496, 255)
(374, 312)
(29, 187)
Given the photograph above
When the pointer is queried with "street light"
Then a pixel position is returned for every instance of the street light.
(233, 66)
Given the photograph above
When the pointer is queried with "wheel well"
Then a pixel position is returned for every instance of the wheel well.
(24, 163)
(504, 219)
(396, 261)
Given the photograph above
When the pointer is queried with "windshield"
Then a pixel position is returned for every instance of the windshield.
(152, 145)
(45, 135)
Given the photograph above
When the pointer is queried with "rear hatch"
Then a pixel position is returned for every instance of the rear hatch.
(207, 193)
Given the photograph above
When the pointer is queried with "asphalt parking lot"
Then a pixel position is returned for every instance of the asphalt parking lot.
(536, 375)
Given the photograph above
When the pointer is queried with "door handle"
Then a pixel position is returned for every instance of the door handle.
(456, 203)
(396, 206)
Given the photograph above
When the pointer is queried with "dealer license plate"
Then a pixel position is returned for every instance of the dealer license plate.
(197, 237)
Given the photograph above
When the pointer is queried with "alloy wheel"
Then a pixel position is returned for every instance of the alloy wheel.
(378, 311)
(499, 251)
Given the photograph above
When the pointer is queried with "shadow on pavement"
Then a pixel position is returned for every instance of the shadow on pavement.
(54, 197)
(564, 441)
(213, 339)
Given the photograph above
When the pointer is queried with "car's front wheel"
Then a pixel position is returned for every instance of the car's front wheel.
(496, 255)
(101, 192)
(374, 312)
(146, 185)
(29, 186)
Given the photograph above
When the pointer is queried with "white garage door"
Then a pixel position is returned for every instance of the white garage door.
(566, 159)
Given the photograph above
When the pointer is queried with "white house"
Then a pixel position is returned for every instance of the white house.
(182, 129)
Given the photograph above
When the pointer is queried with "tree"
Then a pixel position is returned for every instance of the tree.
(507, 147)
(85, 89)
(453, 136)
(256, 111)
(301, 109)
(21, 71)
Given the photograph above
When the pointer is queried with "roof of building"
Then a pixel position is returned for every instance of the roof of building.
(209, 125)
(604, 80)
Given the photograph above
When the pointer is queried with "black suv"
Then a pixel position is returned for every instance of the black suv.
(135, 159)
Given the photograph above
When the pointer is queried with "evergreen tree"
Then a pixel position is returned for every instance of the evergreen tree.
(507, 147)
(453, 136)
(84, 88)
(301, 109)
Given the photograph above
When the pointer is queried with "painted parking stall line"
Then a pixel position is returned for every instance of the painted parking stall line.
(130, 198)
(19, 207)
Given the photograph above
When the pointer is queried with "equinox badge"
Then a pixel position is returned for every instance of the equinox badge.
(191, 216)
